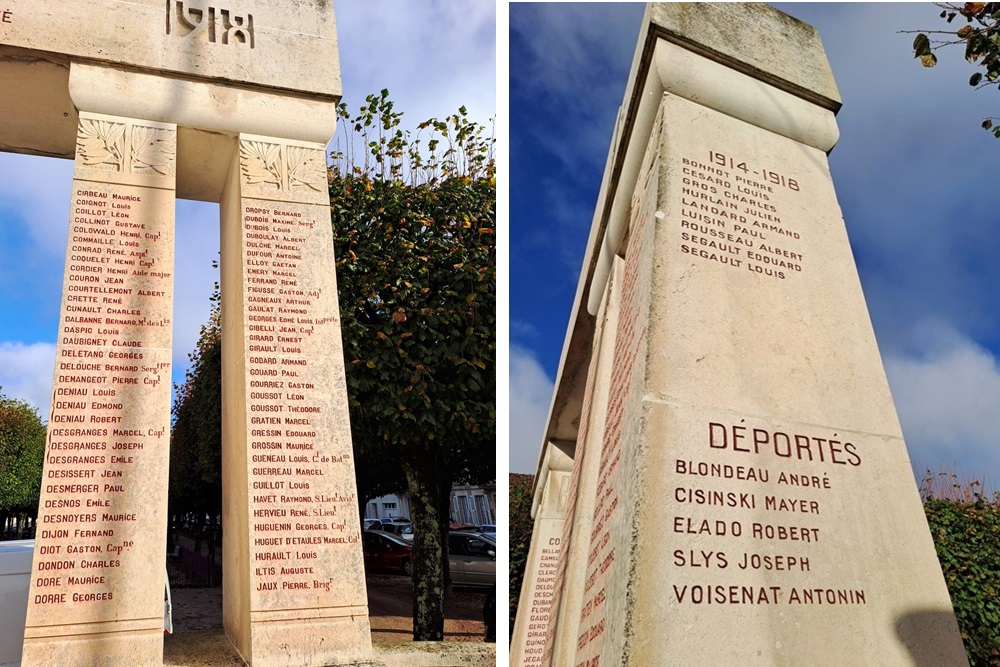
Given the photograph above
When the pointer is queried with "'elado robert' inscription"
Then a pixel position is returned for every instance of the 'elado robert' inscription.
(290, 455)
(114, 352)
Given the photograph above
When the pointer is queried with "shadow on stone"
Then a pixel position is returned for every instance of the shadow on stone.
(929, 636)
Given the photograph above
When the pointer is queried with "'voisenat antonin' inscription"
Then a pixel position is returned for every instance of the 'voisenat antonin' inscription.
(758, 500)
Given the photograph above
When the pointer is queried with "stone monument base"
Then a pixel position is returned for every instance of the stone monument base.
(318, 641)
(212, 649)
(118, 649)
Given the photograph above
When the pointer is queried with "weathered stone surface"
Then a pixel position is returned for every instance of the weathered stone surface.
(753, 502)
(290, 45)
(98, 568)
(540, 571)
(300, 596)
(223, 103)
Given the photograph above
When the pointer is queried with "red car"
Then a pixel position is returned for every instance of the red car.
(385, 551)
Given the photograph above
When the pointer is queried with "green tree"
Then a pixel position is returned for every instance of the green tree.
(521, 527)
(413, 228)
(22, 452)
(196, 435)
(978, 29)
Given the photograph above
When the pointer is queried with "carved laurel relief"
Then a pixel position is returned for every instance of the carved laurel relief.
(260, 163)
(125, 147)
(101, 144)
(282, 167)
(153, 150)
(306, 168)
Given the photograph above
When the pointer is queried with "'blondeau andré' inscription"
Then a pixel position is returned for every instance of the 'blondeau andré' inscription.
(733, 544)
(729, 215)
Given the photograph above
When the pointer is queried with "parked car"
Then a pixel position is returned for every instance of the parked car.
(401, 530)
(371, 523)
(472, 558)
(488, 529)
(385, 551)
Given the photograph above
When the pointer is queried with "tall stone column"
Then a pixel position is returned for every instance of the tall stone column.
(538, 585)
(754, 502)
(571, 576)
(97, 581)
(294, 591)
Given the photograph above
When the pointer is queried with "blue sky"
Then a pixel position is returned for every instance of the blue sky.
(432, 56)
(914, 174)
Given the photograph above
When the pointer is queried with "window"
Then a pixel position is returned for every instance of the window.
(467, 516)
(483, 509)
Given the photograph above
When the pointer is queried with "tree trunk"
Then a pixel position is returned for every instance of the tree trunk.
(424, 471)
(444, 509)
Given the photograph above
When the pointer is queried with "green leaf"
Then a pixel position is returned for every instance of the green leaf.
(975, 79)
(928, 60)
(921, 45)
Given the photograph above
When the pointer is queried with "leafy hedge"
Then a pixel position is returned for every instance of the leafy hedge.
(521, 526)
(967, 537)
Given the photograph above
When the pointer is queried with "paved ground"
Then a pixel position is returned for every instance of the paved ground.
(199, 641)
(390, 605)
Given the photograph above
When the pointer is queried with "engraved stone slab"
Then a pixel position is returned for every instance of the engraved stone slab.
(751, 434)
(540, 572)
(302, 599)
(289, 45)
(98, 568)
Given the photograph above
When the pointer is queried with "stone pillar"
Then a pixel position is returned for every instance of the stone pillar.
(540, 571)
(754, 502)
(294, 590)
(571, 577)
(98, 574)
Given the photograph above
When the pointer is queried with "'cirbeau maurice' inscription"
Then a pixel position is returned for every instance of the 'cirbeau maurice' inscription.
(113, 329)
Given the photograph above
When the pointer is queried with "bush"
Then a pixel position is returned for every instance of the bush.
(521, 526)
(966, 531)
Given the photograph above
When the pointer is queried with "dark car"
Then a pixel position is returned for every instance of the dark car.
(384, 551)
(401, 530)
(472, 558)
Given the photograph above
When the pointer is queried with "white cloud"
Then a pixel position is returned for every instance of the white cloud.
(26, 373)
(530, 395)
(432, 56)
(37, 191)
(948, 399)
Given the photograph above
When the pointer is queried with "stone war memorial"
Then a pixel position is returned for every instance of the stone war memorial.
(723, 479)
(230, 102)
